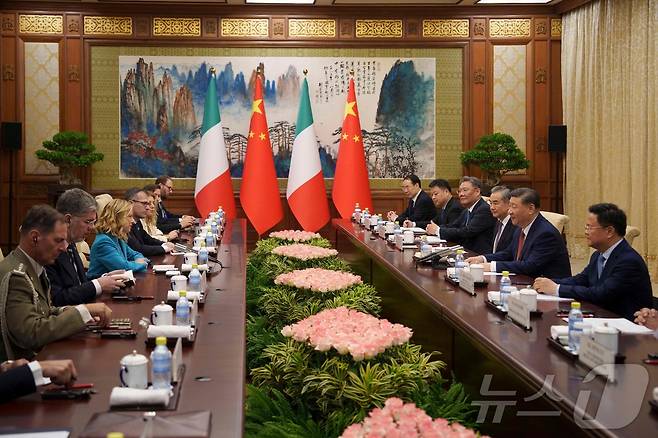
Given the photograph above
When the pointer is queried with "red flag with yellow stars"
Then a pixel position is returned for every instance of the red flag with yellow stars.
(259, 193)
(351, 178)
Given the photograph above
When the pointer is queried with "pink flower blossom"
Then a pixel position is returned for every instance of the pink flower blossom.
(295, 235)
(404, 420)
(318, 280)
(304, 252)
(348, 331)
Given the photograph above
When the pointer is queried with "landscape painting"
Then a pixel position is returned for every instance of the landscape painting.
(162, 100)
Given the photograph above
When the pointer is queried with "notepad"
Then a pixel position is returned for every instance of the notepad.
(622, 324)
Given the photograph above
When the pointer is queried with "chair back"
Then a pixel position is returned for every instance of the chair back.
(631, 233)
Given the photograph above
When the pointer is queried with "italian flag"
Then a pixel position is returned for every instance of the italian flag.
(213, 178)
(306, 193)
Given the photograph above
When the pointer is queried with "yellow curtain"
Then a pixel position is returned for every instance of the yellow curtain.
(609, 84)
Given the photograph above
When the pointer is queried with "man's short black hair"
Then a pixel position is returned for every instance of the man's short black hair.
(475, 182)
(162, 179)
(441, 183)
(131, 193)
(609, 215)
(527, 196)
(413, 178)
(41, 217)
(151, 187)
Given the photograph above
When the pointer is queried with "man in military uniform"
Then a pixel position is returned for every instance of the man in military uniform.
(28, 321)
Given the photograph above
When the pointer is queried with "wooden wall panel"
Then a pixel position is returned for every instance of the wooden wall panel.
(134, 25)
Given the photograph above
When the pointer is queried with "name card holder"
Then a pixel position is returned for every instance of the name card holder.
(518, 312)
(467, 282)
(597, 357)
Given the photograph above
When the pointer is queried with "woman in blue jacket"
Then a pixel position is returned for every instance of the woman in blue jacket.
(110, 250)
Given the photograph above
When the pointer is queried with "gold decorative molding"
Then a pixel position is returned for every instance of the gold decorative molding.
(540, 76)
(51, 24)
(97, 25)
(312, 28)
(278, 27)
(478, 28)
(8, 23)
(179, 27)
(245, 27)
(74, 73)
(556, 27)
(445, 28)
(540, 27)
(379, 28)
(509, 28)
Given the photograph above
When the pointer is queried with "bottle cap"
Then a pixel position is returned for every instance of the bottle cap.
(505, 273)
(182, 293)
(575, 305)
(115, 435)
(161, 340)
(195, 266)
(460, 251)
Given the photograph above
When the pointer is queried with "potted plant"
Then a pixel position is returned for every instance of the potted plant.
(496, 154)
(69, 150)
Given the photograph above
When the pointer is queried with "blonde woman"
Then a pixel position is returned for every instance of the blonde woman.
(110, 250)
(149, 223)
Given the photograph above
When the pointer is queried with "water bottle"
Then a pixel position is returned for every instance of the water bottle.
(214, 228)
(161, 364)
(182, 309)
(505, 290)
(356, 215)
(210, 240)
(194, 280)
(203, 256)
(575, 327)
(425, 249)
(220, 213)
(460, 264)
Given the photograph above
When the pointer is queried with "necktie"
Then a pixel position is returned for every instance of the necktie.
(468, 217)
(75, 266)
(45, 283)
(499, 229)
(520, 246)
(600, 265)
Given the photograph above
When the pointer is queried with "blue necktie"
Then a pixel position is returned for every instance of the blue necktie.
(600, 265)
(468, 217)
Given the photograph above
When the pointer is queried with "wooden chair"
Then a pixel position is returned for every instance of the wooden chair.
(2, 257)
(631, 233)
(558, 220)
(101, 201)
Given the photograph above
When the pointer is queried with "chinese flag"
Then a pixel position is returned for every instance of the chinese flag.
(259, 193)
(351, 178)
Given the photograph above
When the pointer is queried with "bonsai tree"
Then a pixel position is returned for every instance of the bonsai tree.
(69, 150)
(496, 154)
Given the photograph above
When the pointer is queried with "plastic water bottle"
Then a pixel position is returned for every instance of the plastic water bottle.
(365, 217)
(575, 326)
(426, 249)
(460, 264)
(356, 215)
(161, 364)
(194, 279)
(210, 239)
(203, 256)
(505, 290)
(182, 309)
(214, 228)
(220, 213)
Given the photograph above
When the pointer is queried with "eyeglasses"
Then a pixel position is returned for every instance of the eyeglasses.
(589, 227)
(144, 203)
(169, 187)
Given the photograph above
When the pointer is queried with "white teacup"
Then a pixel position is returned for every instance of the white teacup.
(190, 258)
(529, 297)
(607, 336)
(408, 237)
(178, 282)
(477, 271)
(134, 371)
(390, 227)
(162, 314)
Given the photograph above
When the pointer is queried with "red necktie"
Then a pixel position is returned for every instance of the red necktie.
(520, 246)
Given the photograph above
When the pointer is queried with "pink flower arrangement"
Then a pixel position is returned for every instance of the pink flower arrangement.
(404, 420)
(348, 331)
(318, 280)
(303, 252)
(295, 235)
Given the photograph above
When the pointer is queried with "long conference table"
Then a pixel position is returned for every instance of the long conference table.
(217, 355)
(514, 374)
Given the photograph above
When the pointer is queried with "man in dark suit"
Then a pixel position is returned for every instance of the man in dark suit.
(616, 277)
(504, 229)
(447, 207)
(473, 229)
(168, 221)
(19, 378)
(69, 285)
(138, 238)
(420, 207)
(537, 248)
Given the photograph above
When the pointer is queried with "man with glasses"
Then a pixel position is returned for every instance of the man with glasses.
(69, 285)
(138, 238)
(168, 221)
(616, 277)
